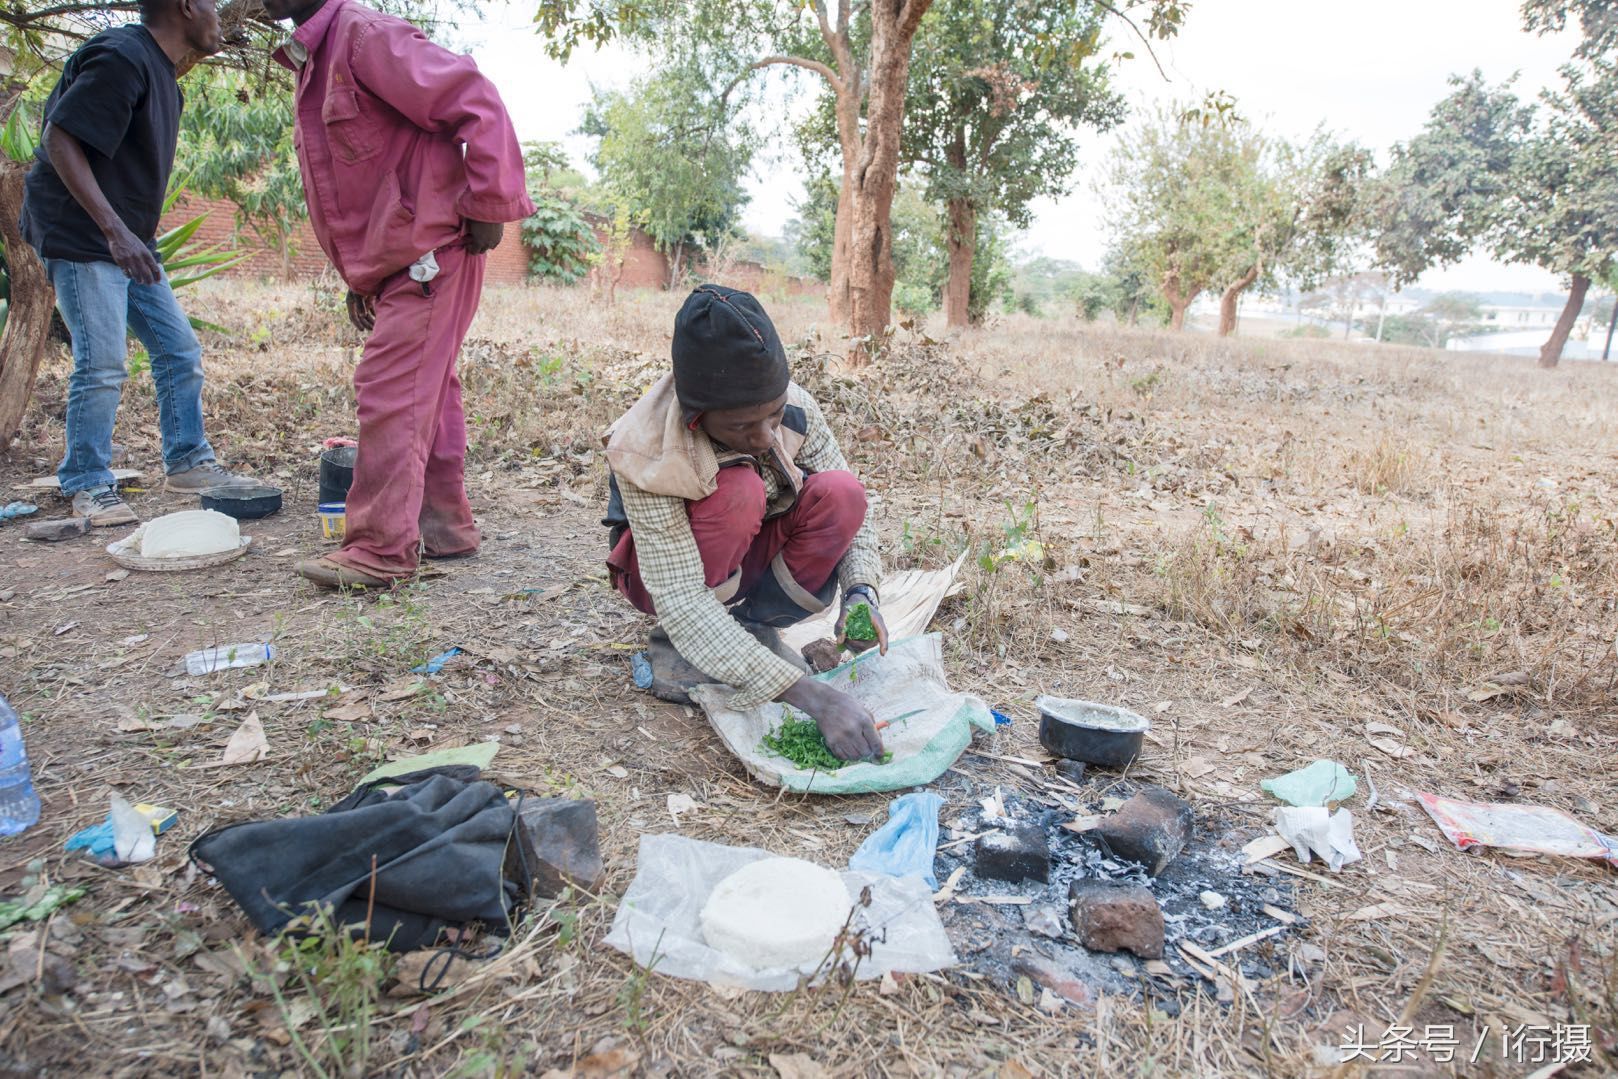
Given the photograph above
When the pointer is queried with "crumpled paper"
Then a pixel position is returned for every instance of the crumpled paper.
(1312, 830)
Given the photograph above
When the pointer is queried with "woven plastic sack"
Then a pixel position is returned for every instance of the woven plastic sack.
(659, 921)
(931, 726)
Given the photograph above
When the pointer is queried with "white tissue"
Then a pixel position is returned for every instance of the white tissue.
(1310, 829)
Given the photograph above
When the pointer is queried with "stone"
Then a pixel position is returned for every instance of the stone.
(61, 528)
(822, 655)
(1046, 974)
(1018, 853)
(562, 842)
(1072, 771)
(1211, 900)
(1043, 919)
(1150, 829)
(1113, 916)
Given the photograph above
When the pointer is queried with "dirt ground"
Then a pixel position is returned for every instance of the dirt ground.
(1280, 551)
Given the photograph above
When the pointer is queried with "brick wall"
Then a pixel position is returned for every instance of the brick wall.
(645, 267)
(508, 263)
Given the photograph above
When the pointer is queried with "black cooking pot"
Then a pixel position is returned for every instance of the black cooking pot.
(243, 503)
(1098, 734)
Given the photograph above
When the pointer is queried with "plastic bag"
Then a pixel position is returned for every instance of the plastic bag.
(1522, 829)
(1316, 785)
(659, 920)
(908, 843)
(908, 680)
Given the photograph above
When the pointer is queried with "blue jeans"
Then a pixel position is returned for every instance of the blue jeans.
(100, 306)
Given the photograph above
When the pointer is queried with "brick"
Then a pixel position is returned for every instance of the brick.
(60, 529)
(1150, 829)
(1112, 916)
(1043, 972)
(1020, 852)
(561, 840)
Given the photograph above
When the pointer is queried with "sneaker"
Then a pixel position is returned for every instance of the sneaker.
(204, 477)
(103, 507)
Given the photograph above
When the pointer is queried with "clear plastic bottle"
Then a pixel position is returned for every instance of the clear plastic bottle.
(19, 802)
(225, 656)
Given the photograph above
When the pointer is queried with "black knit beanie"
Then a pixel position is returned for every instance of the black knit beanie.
(726, 351)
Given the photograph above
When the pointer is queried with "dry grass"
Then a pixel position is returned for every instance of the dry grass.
(1265, 544)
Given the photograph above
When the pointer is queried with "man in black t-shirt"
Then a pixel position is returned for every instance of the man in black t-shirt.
(90, 208)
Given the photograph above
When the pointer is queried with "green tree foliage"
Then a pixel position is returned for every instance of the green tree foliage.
(998, 95)
(1203, 200)
(236, 144)
(667, 155)
(1531, 183)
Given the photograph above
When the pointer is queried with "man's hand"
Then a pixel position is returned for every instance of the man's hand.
(851, 600)
(483, 236)
(849, 729)
(362, 311)
(133, 257)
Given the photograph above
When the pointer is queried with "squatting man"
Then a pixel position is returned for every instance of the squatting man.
(733, 513)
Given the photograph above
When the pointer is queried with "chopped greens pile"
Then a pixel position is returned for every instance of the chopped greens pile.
(801, 743)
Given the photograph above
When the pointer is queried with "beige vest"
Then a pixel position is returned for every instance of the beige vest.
(651, 447)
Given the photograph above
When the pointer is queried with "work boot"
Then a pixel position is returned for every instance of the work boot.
(205, 477)
(672, 675)
(103, 506)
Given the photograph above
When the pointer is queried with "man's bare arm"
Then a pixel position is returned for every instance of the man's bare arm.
(68, 159)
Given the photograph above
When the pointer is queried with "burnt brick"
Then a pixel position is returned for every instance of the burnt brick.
(561, 841)
(1020, 852)
(1150, 829)
(1113, 916)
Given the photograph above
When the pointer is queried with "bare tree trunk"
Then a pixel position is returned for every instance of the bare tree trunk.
(848, 131)
(28, 319)
(961, 240)
(1178, 300)
(870, 279)
(1228, 299)
(1552, 352)
(1612, 324)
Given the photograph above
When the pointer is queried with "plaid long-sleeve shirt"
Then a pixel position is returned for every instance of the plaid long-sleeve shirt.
(671, 567)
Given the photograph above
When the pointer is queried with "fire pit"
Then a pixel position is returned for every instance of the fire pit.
(1105, 888)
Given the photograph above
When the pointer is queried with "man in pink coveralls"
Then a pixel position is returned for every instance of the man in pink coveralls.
(410, 167)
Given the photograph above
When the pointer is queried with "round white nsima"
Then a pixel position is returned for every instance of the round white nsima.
(776, 912)
(189, 534)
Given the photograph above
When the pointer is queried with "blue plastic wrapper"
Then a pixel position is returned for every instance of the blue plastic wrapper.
(17, 509)
(96, 840)
(640, 669)
(436, 664)
(908, 843)
(1000, 718)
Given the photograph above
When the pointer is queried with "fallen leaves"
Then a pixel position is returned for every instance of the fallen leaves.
(247, 744)
(1389, 740)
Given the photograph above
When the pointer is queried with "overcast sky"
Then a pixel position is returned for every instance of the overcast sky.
(1368, 71)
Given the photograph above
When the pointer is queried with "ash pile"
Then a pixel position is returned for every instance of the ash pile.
(1107, 887)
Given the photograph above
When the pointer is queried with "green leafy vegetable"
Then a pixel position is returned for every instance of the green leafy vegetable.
(801, 743)
(859, 626)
